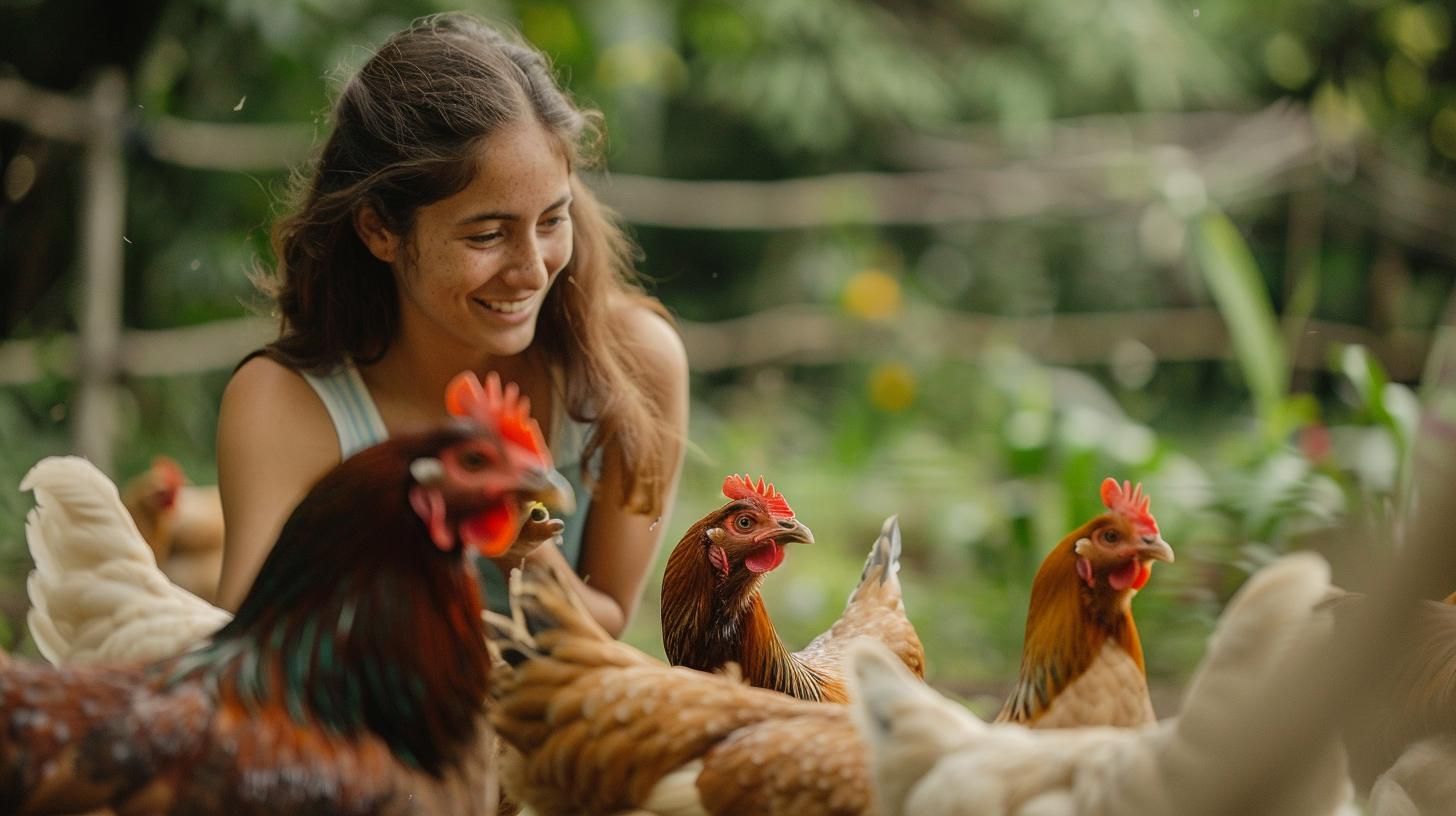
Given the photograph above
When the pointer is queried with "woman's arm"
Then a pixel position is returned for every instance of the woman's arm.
(619, 546)
(274, 441)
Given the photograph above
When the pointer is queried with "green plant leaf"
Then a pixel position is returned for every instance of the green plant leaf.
(1232, 276)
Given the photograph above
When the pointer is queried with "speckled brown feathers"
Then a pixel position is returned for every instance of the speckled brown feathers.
(76, 739)
(594, 726)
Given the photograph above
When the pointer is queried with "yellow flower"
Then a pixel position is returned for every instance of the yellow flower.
(872, 294)
(892, 387)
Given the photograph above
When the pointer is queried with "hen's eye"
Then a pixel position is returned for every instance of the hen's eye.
(472, 460)
(743, 522)
(1110, 536)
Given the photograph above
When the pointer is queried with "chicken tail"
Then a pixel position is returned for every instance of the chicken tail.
(96, 591)
(78, 524)
(882, 566)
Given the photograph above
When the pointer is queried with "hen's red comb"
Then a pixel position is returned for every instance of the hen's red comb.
(741, 487)
(169, 470)
(1128, 500)
(502, 408)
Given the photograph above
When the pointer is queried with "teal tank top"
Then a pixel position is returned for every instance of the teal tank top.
(356, 420)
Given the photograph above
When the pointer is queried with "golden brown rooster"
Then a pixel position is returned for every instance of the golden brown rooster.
(181, 522)
(352, 679)
(1082, 663)
(591, 725)
(713, 614)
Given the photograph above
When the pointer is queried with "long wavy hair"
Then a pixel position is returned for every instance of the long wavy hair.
(407, 130)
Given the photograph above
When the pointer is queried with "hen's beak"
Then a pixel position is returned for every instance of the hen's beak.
(1154, 548)
(551, 489)
(793, 530)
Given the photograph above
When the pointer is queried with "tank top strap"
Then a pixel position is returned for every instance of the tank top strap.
(355, 416)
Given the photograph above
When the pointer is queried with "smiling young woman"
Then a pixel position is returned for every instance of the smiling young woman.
(442, 229)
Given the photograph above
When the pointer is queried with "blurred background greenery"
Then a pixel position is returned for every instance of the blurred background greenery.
(980, 254)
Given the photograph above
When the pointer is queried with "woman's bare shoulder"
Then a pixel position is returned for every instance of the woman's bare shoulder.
(268, 408)
(661, 345)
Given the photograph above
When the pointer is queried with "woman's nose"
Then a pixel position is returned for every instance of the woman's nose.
(527, 268)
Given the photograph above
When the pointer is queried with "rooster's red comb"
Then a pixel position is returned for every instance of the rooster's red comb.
(1128, 501)
(741, 487)
(502, 408)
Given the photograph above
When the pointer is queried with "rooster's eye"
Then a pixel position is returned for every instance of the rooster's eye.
(743, 522)
(1110, 536)
(472, 460)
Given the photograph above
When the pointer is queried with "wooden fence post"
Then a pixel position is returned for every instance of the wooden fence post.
(103, 218)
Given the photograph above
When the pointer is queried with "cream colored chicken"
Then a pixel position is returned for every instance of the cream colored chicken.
(933, 758)
(96, 593)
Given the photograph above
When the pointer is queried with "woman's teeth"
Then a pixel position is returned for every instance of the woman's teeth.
(506, 306)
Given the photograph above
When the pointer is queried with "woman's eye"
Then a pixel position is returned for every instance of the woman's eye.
(554, 221)
(744, 522)
(483, 238)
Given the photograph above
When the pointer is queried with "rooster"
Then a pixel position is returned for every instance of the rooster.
(712, 612)
(182, 523)
(352, 679)
(591, 725)
(934, 758)
(97, 595)
(1082, 663)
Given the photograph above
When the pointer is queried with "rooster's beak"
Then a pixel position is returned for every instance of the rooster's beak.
(551, 489)
(1154, 548)
(793, 530)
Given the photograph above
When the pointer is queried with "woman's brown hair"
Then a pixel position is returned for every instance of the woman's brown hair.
(407, 130)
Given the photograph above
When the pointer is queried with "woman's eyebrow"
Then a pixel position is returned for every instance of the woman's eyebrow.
(505, 216)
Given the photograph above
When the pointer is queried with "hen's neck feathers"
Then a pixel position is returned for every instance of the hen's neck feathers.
(389, 640)
(709, 620)
(1067, 625)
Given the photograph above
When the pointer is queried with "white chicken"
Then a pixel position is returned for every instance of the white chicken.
(96, 593)
(932, 757)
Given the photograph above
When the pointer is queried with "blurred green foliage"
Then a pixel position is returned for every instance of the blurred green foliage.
(987, 461)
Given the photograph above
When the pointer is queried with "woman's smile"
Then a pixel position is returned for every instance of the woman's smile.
(508, 311)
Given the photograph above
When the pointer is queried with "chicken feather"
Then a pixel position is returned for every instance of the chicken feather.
(622, 731)
(96, 593)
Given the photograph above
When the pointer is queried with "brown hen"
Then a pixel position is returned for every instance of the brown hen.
(591, 725)
(713, 613)
(1082, 663)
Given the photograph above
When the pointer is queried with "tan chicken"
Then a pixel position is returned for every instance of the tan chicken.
(932, 757)
(181, 522)
(714, 614)
(1082, 663)
(591, 725)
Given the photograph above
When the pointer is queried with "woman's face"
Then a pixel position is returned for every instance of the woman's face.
(477, 265)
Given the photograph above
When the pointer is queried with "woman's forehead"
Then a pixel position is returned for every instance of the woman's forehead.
(520, 171)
